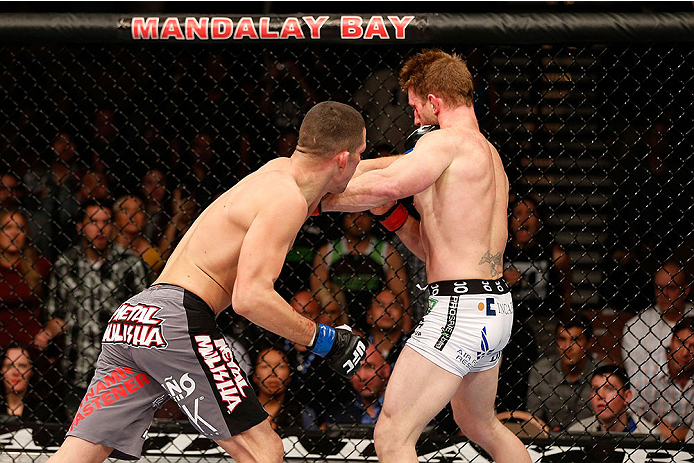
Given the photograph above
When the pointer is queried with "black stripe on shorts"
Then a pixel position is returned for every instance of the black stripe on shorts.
(461, 287)
(241, 411)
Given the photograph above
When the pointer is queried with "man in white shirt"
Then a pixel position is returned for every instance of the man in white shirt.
(650, 331)
(664, 389)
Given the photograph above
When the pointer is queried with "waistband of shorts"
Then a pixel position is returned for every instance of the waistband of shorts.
(165, 286)
(459, 287)
(190, 297)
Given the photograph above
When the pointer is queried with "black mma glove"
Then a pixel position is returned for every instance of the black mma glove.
(412, 139)
(343, 349)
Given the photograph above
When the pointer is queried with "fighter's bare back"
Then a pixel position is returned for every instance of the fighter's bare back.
(463, 225)
(205, 261)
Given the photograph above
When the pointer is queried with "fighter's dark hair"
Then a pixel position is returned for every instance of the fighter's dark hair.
(330, 127)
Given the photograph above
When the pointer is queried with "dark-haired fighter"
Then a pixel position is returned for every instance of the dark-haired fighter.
(165, 342)
(461, 194)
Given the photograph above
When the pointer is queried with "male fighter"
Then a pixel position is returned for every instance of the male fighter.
(461, 193)
(164, 341)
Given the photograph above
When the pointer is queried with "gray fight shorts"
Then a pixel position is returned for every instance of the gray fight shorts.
(161, 343)
(467, 325)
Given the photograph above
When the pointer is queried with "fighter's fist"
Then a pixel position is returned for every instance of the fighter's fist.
(343, 349)
(394, 217)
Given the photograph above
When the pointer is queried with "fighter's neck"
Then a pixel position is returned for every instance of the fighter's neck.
(310, 175)
(462, 116)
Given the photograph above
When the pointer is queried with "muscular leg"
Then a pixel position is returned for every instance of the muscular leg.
(76, 449)
(416, 392)
(473, 409)
(260, 444)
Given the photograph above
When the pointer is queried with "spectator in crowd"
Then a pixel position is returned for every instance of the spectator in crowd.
(610, 399)
(20, 396)
(183, 211)
(649, 331)
(11, 192)
(369, 384)
(272, 376)
(385, 315)
(17, 370)
(559, 388)
(361, 265)
(88, 283)
(130, 221)
(537, 269)
(309, 306)
(93, 185)
(23, 274)
(664, 388)
(50, 201)
(154, 191)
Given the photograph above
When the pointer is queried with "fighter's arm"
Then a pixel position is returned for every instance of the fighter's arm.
(367, 165)
(406, 176)
(262, 255)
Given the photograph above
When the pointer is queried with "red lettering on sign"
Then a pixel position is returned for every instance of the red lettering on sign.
(145, 29)
(400, 25)
(245, 28)
(376, 28)
(265, 32)
(315, 25)
(171, 28)
(221, 28)
(350, 27)
(291, 28)
(195, 28)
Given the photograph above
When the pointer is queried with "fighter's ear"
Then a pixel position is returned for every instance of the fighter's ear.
(435, 102)
(342, 159)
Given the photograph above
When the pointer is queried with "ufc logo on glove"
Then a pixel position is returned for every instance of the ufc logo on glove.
(353, 363)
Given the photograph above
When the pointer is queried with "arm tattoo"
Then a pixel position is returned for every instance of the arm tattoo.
(493, 261)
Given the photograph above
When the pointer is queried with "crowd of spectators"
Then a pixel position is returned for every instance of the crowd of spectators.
(76, 240)
(54, 310)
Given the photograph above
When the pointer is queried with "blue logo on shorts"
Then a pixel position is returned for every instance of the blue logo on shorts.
(484, 344)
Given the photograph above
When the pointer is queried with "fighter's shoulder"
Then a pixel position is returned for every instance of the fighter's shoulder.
(280, 190)
(269, 178)
(456, 139)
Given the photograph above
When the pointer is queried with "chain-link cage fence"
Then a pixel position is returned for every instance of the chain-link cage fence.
(111, 150)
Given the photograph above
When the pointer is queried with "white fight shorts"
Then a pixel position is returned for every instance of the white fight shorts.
(467, 325)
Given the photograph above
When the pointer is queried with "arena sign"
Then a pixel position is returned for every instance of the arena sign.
(269, 28)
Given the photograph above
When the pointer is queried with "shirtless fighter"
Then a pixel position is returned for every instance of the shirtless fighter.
(164, 341)
(461, 193)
